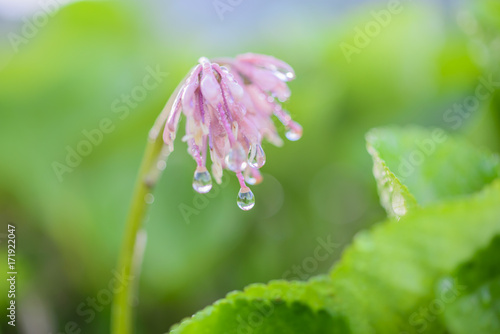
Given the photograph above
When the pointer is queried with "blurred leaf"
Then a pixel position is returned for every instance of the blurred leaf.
(414, 165)
(479, 309)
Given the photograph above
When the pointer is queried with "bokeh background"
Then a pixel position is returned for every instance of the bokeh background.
(61, 74)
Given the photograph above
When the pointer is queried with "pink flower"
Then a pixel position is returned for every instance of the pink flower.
(228, 104)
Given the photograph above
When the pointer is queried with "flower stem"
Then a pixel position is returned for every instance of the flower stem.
(130, 258)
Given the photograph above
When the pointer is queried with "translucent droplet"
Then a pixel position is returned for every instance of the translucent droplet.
(149, 198)
(294, 133)
(251, 180)
(245, 200)
(256, 156)
(284, 75)
(161, 165)
(252, 176)
(398, 203)
(202, 182)
(236, 159)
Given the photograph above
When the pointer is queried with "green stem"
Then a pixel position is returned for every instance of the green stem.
(153, 163)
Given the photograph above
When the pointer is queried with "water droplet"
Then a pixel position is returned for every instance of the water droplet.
(149, 198)
(256, 156)
(294, 132)
(245, 200)
(161, 164)
(284, 75)
(236, 159)
(251, 180)
(202, 182)
(252, 176)
(398, 204)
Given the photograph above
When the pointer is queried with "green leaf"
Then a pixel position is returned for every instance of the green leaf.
(478, 310)
(414, 165)
(390, 273)
(395, 197)
(279, 307)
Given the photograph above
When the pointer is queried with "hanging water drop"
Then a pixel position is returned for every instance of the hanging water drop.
(251, 180)
(253, 177)
(245, 199)
(202, 182)
(236, 159)
(256, 156)
(294, 132)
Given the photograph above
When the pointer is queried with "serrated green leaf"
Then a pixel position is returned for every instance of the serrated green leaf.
(414, 165)
(279, 307)
(395, 197)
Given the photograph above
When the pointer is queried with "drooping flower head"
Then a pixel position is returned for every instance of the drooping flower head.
(229, 104)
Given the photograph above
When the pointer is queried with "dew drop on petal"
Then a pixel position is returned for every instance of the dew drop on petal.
(294, 133)
(284, 75)
(246, 199)
(236, 159)
(256, 156)
(202, 182)
(251, 180)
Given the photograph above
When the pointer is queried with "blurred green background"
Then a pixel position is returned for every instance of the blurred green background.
(62, 73)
